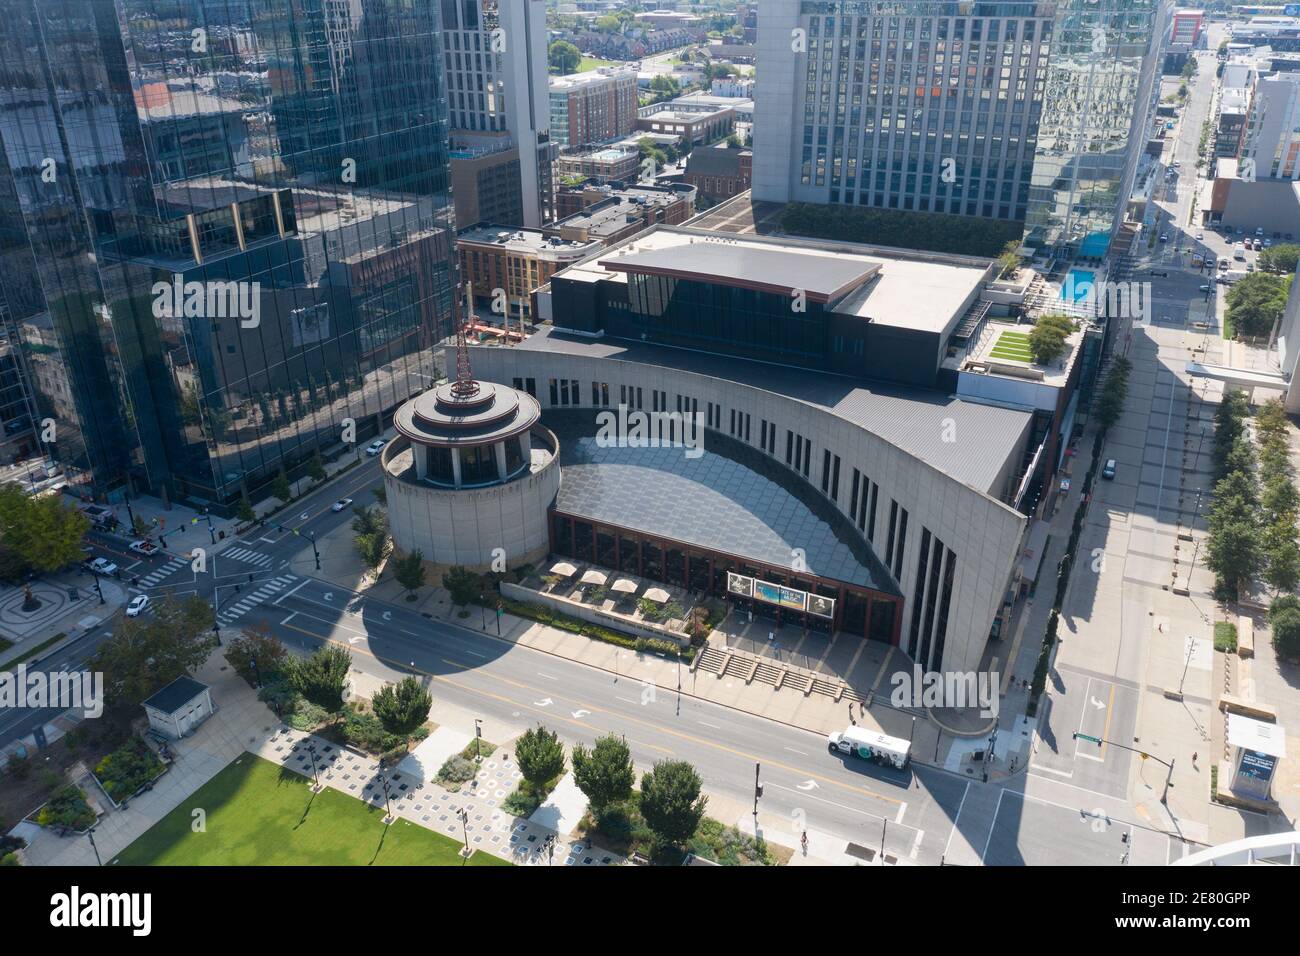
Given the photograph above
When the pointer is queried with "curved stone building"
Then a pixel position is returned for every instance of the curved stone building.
(471, 471)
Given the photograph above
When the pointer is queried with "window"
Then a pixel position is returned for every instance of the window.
(555, 393)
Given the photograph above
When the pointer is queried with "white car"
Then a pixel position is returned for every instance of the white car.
(1200, 235)
(147, 548)
(103, 566)
(341, 504)
(139, 604)
(376, 446)
(1206, 288)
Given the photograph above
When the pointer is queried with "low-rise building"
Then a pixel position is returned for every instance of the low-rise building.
(612, 214)
(592, 107)
(718, 173)
(694, 123)
(604, 165)
(517, 261)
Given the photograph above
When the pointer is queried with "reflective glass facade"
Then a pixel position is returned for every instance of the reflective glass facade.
(1099, 85)
(288, 160)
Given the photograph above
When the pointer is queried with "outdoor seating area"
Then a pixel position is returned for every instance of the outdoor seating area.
(640, 601)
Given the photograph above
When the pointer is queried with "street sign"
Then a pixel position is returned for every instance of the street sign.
(1092, 740)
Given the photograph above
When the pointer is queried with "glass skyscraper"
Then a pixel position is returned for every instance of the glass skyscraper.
(1028, 111)
(288, 160)
(1100, 81)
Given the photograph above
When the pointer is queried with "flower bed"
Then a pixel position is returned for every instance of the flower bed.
(128, 770)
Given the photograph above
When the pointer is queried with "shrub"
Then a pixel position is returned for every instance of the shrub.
(457, 770)
(127, 769)
(67, 807)
(1225, 637)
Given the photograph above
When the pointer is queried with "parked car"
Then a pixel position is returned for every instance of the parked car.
(1206, 288)
(341, 504)
(103, 566)
(376, 446)
(1259, 230)
(1108, 470)
(1268, 243)
(1164, 237)
(1200, 235)
(147, 548)
(139, 604)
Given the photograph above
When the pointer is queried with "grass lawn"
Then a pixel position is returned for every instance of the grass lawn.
(260, 815)
(1012, 345)
(592, 63)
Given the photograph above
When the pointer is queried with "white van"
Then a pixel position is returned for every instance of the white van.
(870, 745)
(1239, 251)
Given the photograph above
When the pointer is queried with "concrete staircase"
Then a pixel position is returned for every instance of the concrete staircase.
(725, 662)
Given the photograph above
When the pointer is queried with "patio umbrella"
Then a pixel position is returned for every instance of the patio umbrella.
(564, 569)
(624, 586)
(659, 595)
(592, 576)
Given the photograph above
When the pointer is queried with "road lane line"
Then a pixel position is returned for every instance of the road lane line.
(802, 772)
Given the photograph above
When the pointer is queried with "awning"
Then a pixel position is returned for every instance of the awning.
(592, 576)
(658, 595)
(564, 569)
(624, 586)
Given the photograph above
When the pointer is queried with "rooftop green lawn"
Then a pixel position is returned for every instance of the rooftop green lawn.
(258, 814)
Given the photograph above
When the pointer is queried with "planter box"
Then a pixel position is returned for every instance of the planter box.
(584, 612)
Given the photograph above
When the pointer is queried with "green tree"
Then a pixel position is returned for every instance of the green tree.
(1255, 303)
(1009, 258)
(147, 653)
(464, 585)
(372, 549)
(322, 677)
(564, 57)
(381, 494)
(1284, 619)
(316, 467)
(409, 571)
(1114, 391)
(1047, 338)
(1282, 555)
(369, 520)
(244, 510)
(1228, 427)
(43, 533)
(1281, 258)
(403, 707)
(257, 645)
(604, 773)
(671, 802)
(540, 756)
(280, 487)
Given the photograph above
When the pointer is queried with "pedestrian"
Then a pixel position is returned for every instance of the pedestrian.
(803, 842)
(1193, 758)
(851, 720)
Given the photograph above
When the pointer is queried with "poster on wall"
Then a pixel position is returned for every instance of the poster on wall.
(776, 594)
(821, 606)
(740, 585)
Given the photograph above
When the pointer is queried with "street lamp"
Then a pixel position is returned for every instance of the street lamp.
(482, 609)
(463, 813)
(758, 792)
(549, 847)
(383, 782)
(98, 588)
(91, 834)
(311, 752)
(478, 737)
(315, 553)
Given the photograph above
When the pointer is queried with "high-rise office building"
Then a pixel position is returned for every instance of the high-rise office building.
(494, 54)
(226, 229)
(998, 109)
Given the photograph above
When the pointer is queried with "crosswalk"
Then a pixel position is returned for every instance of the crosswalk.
(248, 556)
(237, 609)
(155, 577)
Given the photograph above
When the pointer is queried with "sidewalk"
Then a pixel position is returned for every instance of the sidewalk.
(59, 614)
